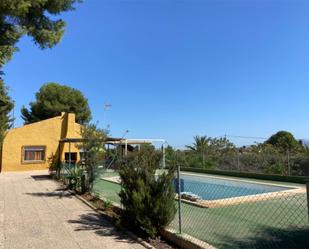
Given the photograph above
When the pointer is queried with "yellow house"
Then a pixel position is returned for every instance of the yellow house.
(34, 146)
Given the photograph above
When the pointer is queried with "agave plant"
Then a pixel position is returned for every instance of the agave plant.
(75, 178)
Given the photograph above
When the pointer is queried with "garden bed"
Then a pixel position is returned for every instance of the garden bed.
(112, 213)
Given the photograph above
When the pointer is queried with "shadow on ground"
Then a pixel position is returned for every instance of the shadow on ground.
(100, 226)
(59, 192)
(41, 177)
(292, 238)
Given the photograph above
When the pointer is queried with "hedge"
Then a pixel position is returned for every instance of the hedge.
(281, 178)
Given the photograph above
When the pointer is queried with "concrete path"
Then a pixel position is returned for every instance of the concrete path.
(36, 213)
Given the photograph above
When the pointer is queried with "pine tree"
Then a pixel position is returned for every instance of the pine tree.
(147, 198)
(34, 18)
(6, 105)
(52, 99)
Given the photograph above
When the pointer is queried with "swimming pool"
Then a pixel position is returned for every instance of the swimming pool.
(214, 188)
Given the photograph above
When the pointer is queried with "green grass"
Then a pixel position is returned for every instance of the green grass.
(107, 189)
(225, 225)
(237, 226)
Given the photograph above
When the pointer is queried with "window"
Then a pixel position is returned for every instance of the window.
(73, 156)
(33, 153)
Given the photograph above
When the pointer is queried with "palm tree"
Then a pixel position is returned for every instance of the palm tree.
(200, 145)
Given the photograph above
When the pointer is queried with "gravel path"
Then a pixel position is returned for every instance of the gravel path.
(36, 213)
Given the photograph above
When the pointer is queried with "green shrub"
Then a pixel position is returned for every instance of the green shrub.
(107, 204)
(93, 147)
(96, 195)
(147, 198)
(75, 177)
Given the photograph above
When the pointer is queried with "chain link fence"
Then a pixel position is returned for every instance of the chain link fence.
(229, 212)
(263, 162)
(226, 211)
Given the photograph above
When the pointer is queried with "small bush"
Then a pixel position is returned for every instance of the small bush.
(107, 204)
(96, 195)
(147, 198)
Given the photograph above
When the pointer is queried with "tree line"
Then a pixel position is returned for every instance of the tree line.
(280, 154)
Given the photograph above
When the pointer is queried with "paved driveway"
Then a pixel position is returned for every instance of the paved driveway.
(36, 213)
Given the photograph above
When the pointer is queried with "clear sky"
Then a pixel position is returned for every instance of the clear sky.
(174, 69)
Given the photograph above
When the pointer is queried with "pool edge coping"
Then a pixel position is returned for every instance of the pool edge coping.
(255, 181)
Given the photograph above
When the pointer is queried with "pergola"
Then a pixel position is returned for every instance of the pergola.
(116, 141)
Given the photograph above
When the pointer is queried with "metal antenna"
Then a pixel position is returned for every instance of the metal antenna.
(106, 107)
(125, 133)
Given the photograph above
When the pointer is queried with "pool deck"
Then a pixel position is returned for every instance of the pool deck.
(245, 198)
(114, 179)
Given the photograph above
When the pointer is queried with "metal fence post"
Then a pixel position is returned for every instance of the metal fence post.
(163, 159)
(70, 155)
(179, 198)
(307, 190)
(238, 164)
(288, 162)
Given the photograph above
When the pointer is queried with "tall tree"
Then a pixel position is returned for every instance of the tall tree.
(6, 105)
(200, 146)
(27, 17)
(284, 141)
(52, 99)
(200, 143)
(207, 150)
(32, 18)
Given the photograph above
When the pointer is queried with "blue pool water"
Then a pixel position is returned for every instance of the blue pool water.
(209, 188)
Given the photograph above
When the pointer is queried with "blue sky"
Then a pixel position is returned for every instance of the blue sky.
(174, 69)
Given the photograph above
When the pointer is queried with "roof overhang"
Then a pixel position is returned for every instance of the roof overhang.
(108, 140)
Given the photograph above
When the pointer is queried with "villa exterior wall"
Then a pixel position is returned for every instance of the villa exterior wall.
(47, 134)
